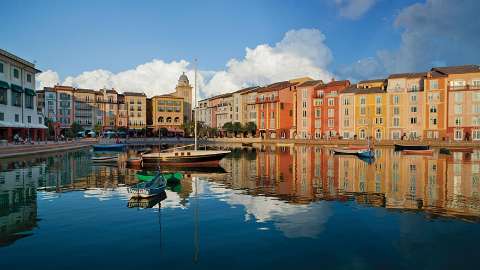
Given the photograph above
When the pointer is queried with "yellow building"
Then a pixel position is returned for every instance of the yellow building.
(167, 112)
(405, 112)
(370, 110)
(137, 110)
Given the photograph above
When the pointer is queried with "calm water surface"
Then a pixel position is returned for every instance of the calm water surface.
(270, 207)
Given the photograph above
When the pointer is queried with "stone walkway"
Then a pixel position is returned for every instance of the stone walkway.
(15, 150)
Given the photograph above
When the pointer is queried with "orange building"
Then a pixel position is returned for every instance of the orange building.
(304, 125)
(275, 109)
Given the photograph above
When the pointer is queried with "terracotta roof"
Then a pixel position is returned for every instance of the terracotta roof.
(133, 94)
(334, 83)
(310, 83)
(371, 90)
(457, 69)
(276, 86)
(248, 89)
(85, 90)
(352, 89)
(408, 75)
(372, 81)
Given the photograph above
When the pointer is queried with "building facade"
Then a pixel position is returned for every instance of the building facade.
(405, 113)
(137, 110)
(370, 110)
(18, 100)
(275, 110)
(167, 112)
(307, 124)
(184, 90)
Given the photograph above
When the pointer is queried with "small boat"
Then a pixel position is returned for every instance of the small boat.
(346, 151)
(145, 176)
(185, 157)
(134, 162)
(105, 159)
(366, 153)
(173, 178)
(418, 152)
(401, 147)
(247, 144)
(140, 202)
(150, 188)
(109, 147)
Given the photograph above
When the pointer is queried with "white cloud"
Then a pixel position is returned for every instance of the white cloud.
(354, 9)
(47, 78)
(300, 53)
(436, 32)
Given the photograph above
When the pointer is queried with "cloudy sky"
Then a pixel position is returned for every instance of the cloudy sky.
(145, 45)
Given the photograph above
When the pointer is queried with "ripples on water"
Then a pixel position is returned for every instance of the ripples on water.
(275, 202)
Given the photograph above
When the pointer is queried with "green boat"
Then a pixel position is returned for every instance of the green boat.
(146, 176)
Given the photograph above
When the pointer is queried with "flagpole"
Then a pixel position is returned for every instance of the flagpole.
(195, 104)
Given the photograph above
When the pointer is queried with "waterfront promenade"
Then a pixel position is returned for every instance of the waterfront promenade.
(16, 150)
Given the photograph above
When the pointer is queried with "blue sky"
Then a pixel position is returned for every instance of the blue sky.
(72, 37)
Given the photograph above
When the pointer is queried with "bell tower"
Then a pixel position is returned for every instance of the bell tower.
(184, 90)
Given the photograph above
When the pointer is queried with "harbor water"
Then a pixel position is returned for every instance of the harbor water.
(266, 208)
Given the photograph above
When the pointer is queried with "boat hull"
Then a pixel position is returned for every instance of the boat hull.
(108, 147)
(418, 152)
(401, 147)
(182, 160)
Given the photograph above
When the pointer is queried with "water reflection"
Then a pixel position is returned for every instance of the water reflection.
(278, 187)
(438, 185)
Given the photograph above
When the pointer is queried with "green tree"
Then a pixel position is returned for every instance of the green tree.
(237, 128)
(228, 127)
(251, 128)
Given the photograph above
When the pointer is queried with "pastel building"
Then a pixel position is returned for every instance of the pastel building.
(137, 110)
(347, 113)
(84, 108)
(224, 110)
(249, 109)
(167, 112)
(405, 112)
(463, 89)
(275, 110)
(435, 95)
(370, 109)
(308, 124)
(327, 109)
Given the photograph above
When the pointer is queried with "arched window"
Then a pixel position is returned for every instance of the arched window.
(160, 119)
(378, 134)
(176, 120)
(362, 134)
(169, 119)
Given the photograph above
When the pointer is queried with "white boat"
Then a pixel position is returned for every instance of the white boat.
(105, 159)
(185, 157)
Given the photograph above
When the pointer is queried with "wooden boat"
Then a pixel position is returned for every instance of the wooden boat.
(150, 188)
(184, 157)
(401, 147)
(105, 159)
(109, 147)
(428, 152)
(134, 162)
(461, 149)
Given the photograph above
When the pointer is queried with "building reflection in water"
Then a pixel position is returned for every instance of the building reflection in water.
(439, 185)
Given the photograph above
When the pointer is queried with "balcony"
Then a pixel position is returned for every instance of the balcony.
(267, 99)
(463, 87)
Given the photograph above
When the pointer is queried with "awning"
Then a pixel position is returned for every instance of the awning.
(16, 88)
(30, 92)
(4, 85)
(6, 124)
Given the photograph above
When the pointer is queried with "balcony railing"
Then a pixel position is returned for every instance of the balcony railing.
(267, 99)
(464, 87)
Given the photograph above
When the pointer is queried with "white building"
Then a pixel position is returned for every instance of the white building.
(18, 104)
